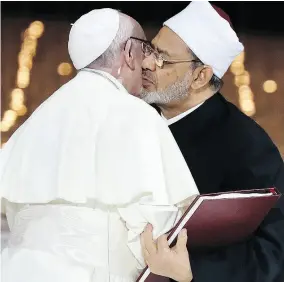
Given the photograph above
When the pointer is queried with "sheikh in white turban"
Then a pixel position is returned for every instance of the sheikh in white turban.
(208, 35)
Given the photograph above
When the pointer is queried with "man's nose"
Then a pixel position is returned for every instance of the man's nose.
(149, 63)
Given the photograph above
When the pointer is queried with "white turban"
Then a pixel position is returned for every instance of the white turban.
(208, 35)
(91, 35)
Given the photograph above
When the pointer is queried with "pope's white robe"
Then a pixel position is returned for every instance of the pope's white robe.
(82, 177)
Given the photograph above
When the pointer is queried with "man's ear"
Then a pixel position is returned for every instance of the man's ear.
(201, 76)
(129, 55)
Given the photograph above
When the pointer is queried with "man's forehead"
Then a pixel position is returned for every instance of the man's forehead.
(169, 42)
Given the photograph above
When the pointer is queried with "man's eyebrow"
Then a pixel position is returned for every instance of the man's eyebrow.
(161, 50)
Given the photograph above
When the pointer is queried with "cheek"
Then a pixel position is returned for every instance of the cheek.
(165, 78)
(137, 79)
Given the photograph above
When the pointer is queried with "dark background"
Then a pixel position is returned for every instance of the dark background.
(246, 16)
(259, 25)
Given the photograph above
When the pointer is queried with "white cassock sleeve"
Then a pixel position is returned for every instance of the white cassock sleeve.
(164, 208)
(136, 217)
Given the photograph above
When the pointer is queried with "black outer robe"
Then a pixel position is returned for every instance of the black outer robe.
(226, 150)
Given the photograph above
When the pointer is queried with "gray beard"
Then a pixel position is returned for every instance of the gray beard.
(174, 92)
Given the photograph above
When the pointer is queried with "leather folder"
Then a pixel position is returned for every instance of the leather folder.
(220, 219)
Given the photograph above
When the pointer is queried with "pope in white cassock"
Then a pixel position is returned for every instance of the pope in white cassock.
(82, 177)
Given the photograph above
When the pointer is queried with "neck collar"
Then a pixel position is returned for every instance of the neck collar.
(212, 113)
(108, 76)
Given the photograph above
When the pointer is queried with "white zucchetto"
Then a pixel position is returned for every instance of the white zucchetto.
(91, 35)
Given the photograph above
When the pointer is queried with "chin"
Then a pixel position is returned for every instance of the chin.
(136, 93)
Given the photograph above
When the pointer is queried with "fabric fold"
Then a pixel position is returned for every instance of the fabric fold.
(94, 142)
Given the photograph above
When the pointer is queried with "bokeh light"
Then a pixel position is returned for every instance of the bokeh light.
(270, 86)
(64, 69)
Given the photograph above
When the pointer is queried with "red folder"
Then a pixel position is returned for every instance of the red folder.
(220, 219)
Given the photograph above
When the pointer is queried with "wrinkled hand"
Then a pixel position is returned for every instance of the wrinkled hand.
(165, 261)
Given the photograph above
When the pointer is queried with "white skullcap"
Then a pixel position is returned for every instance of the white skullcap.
(91, 35)
(208, 35)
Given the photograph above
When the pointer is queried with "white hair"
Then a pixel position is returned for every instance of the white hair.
(174, 92)
(126, 30)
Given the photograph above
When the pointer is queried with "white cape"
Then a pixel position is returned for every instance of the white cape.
(92, 140)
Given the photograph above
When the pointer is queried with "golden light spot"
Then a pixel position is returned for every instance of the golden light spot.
(9, 119)
(4, 126)
(245, 90)
(270, 86)
(248, 107)
(23, 77)
(22, 111)
(25, 61)
(237, 68)
(10, 115)
(64, 69)
(243, 79)
(36, 29)
(240, 58)
(17, 100)
(29, 46)
(16, 105)
(23, 69)
(17, 93)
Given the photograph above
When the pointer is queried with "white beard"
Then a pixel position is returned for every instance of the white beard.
(174, 92)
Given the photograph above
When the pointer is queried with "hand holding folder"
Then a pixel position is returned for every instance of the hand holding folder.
(220, 219)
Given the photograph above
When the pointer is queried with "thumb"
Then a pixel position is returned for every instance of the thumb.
(181, 241)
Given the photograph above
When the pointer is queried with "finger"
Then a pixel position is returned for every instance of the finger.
(162, 244)
(149, 243)
(145, 253)
(181, 241)
(142, 241)
(143, 246)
